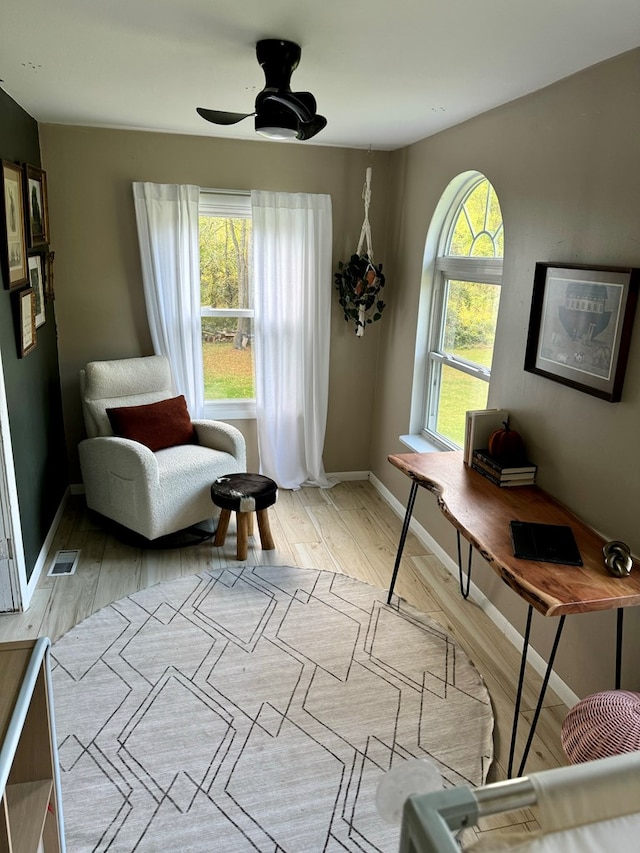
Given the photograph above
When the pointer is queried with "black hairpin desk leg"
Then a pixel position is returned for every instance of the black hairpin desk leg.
(403, 536)
(543, 690)
(464, 589)
(619, 626)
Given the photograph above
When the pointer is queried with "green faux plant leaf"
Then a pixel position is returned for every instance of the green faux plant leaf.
(358, 282)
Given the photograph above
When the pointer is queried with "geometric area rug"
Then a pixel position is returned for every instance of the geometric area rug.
(256, 709)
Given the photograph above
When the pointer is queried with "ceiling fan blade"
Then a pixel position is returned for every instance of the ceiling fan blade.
(283, 101)
(310, 128)
(307, 100)
(221, 117)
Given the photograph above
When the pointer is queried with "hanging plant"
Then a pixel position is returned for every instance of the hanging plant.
(360, 279)
(358, 283)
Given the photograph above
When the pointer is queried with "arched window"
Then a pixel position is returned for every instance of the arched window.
(465, 277)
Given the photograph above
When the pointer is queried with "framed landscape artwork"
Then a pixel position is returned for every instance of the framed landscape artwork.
(26, 322)
(35, 182)
(14, 250)
(580, 326)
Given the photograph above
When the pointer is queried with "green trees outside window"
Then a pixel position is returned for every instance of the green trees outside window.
(466, 296)
(226, 298)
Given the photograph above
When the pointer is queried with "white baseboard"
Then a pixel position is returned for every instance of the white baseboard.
(502, 623)
(348, 475)
(44, 551)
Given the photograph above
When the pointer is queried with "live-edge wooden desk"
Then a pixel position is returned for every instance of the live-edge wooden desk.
(481, 511)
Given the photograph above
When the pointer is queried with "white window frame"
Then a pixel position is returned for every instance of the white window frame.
(235, 204)
(438, 269)
(448, 268)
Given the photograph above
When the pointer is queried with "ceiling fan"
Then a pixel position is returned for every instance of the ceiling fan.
(279, 112)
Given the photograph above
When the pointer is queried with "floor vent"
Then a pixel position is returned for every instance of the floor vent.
(64, 563)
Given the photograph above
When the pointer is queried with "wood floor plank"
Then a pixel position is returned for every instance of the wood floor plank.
(388, 521)
(72, 597)
(157, 566)
(26, 625)
(342, 497)
(314, 555)
(294, 519)
(282, 554)
(198, 558)
(90, 520)
(549, 730)
(365, 530)
(410, 584)
(513, 819)
(119, 575)
(312, 496)
(344, 550)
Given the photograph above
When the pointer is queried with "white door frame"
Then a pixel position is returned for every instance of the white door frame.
(14, 594)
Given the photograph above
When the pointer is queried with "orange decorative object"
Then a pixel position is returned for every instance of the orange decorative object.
(506, 443)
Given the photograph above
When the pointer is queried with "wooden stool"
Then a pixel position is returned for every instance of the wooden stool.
(244, 494)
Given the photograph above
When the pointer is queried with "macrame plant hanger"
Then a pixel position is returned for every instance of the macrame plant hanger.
(365, 234)
(359, 280)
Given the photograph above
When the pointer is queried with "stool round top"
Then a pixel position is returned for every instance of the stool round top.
(601, 725)
(244, 492)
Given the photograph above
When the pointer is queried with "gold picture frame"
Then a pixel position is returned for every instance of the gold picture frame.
(49, 293)
(26, 322)
(14, 250)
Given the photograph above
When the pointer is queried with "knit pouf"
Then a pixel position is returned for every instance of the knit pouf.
(603, 724)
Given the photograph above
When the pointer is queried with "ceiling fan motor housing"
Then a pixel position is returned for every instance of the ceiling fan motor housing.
(279, 112)
(278, 59)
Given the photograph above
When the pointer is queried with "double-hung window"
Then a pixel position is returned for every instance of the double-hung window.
(226, 299)
(467, 276)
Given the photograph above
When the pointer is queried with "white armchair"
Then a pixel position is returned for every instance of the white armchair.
(152, 493)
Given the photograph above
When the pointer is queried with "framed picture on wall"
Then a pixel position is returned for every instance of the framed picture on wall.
(49, 294)
(580, 326)
(35, 190)
(14, 250)
(36, 280)
(26, 321)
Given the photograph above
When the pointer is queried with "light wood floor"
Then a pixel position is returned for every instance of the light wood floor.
(349, 529)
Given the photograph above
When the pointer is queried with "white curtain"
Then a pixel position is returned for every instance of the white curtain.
(167, 218)
(292, 236)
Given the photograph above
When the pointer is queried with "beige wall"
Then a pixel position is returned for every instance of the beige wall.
(565, 163)
(99, 298)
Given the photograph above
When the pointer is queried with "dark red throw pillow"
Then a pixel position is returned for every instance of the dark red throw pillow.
(158, 425)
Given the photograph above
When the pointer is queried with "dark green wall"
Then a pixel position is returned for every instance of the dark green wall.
(32, 383)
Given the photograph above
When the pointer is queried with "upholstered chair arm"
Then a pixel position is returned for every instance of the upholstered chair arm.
(222, 436)
(122, 457)
(121, 481)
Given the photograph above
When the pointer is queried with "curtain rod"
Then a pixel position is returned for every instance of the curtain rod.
(224, 192)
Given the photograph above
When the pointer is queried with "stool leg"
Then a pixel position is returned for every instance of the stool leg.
(266, 539)
(250, 523)
(223, 524)
(242, 523)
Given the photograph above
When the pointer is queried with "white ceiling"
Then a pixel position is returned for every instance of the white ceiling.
(385, 73)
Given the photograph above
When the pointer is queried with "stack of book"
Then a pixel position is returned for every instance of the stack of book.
(521, 473)
(480, 423)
